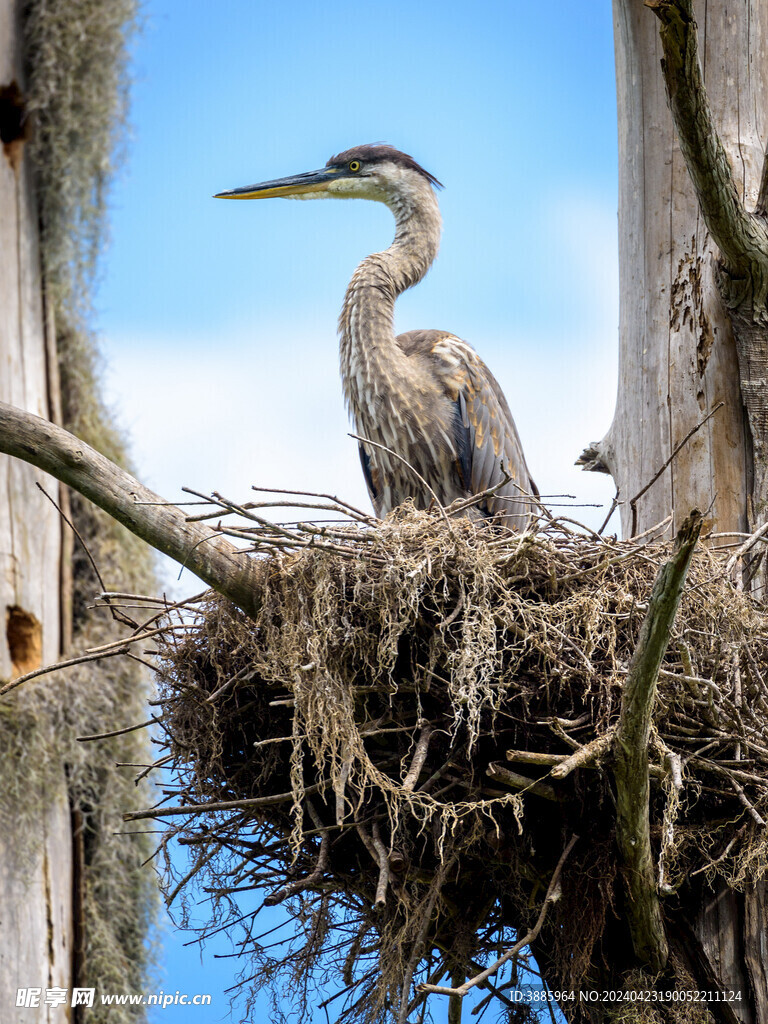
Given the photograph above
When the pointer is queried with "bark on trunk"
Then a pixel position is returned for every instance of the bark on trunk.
(684, 330)
(677, 356)
(36, 894)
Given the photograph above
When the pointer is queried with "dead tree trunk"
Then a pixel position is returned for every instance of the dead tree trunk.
(35, 896)
(677, 354)
(693, 254)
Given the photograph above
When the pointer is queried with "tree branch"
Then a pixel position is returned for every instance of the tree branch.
(41, 443)
(741, 237)
(551, 895)
(631, 750)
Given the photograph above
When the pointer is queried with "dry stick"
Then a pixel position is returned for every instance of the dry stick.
(116, 615)
(748, 544)
(611, 510)
(419, 477)
(498, 771)
(534, 757)
(315, 494)
(222, 805)
(123, 642)
(117, 732)
(421, 939)
(291, 888)
(552, 890)
(150, 767)
(340, 788)
(367, 842)
(631, 751)
(745, 801)
(238, 676)
(633, 501)
(56, 451)
(723, 855)
(419, 757)
(584, 756)
(61, 664)
(381, 853)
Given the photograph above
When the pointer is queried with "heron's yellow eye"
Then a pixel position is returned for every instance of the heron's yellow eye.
(354, 165)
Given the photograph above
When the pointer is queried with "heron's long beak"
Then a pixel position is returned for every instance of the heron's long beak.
(295, 185)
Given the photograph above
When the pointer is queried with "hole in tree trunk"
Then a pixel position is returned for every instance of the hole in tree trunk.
(25, 640)
(14, 126)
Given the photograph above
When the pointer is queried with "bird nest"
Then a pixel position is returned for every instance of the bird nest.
(407, 737)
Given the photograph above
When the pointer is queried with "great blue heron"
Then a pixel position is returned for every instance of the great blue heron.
(440, 425)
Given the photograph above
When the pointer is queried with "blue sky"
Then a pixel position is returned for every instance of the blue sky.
(219, 319)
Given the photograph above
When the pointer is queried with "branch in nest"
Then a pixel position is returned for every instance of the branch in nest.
(222, 805)
(584, 756)
(383, 882)
(498, 771)
(534, 757)
(553, 890)
(419, 757)
(291, 888)
(631, 751)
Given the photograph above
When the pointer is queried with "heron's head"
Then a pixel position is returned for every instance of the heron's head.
(376, 172)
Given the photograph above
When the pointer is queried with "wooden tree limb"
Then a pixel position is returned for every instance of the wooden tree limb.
(51, 448)
(631, 751)
(741, 236)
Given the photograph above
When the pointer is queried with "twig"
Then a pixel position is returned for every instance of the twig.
(730, 565)
(346, 768)
(534, 757)
(222, 805)
(116, 615)
(61, 664)
(291, 888)
(123, 642)
(722, 856)
(745, 801)
(117, 732)
(614, 505)
(633, 501)
(419, 477)
(551, 895)
(421, 937)
(237, 677)
(314, 494)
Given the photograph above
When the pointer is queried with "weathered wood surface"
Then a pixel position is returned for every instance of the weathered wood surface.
(35, 893)
(29, 526)
(741, 234)
(36, 906)
(677, 356)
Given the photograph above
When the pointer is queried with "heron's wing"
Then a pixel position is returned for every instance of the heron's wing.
(487, 443)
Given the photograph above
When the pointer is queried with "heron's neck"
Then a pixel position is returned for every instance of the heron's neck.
(371, 361)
